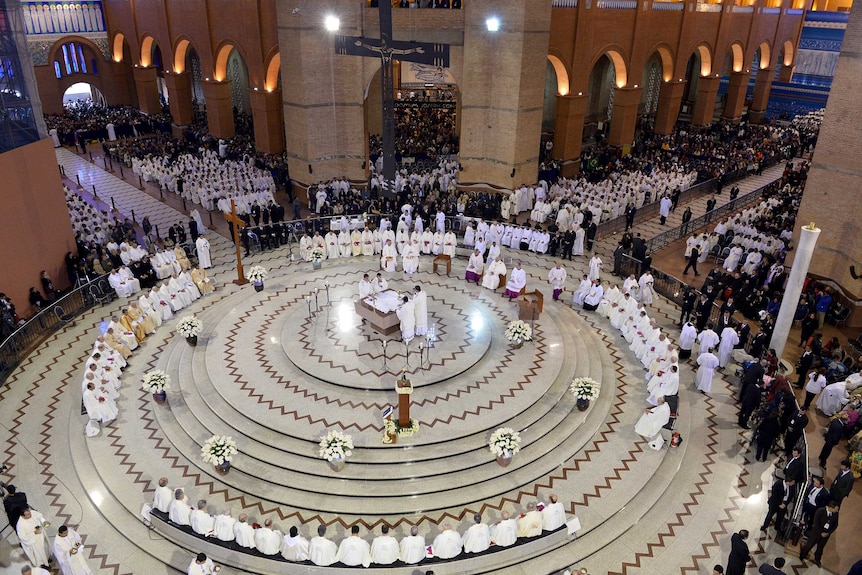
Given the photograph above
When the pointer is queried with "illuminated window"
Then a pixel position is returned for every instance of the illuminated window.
(66, 59)
(57, 69)
(82, 60)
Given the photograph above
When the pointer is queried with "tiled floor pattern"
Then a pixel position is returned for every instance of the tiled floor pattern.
(681, 504)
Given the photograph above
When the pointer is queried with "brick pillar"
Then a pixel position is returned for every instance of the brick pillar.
(117, 82)
(569, 132)
(219, 109)
(786, 73)
(762, 88)
(704, 105)
(669, 100)
(735, 96)
(180, 98)
(625, 118)
(266, 111)
(148, 90)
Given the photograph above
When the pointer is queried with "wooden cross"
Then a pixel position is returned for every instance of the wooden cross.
(238, 225)
(386, 49)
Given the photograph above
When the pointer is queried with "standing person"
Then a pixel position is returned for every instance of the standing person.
(781, 497)
(767, 432)
(824, 524)
(689, 298)
(774, 569)
(592, 228)
(31, 535)
(595, 267)
(795, 428)
(674, 199)
(729, 339)
(692, 261)
(407, 315)
(645, 283)
(203, 248)
(557, 279)
(631, 210)
(68, 551)
(707, 363)
(842, 485)
(803, 364)
(420, 309)
(664, 209)
(202, 565)
(823, 301)
(816, 383)
(739, 554)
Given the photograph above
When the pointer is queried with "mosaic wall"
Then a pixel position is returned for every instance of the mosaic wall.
(63, 17)
(40, 46)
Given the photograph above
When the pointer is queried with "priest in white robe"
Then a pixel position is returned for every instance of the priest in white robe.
(344, 244)
(294, 547)
(99, 407)
(410, 258)
(243, 532)
(180, 511)
(406, 313)
(664, 385)
(729, 339)
(31, 535)
(475, 267)
(517, 282)
(491, 279)
(650, 423)
(389, 257)
(582, 291)
(163, 496)
(412, 547)
(448, 543)
(201, 522)
(450, 242)
(322, 551)
(557, 279)
(366, 288)
(266, 539)
(530, 523)
(384, 549)
(595, 267)
(331, 245)
(68, 550)
(707, 339)
(707, 362)
(203, 247)
(354, 551)
(223, 526)
(420, 309)
(504, 533)
(478, 537)
(687, 339)
(645, 283)
(120, 286)
(594, 298)
(201, 565)
(553, 514)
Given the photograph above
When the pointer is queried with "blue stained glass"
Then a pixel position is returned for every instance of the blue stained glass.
(66, 59)
(81, 58)
(57, 69)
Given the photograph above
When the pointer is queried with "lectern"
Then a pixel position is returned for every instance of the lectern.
(404, 389)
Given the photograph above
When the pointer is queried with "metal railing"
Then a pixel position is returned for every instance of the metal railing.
(564, 3)
(617, 4)
(668, 6)
(47, 321)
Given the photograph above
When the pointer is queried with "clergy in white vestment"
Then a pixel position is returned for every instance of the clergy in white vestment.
(729, 338)
(595, 267)
(31, 535)
(344, 244)
(120, 286)
(365, 287)
(420, 310)
(380, 283)
(491, 279)
(294, 547)
(517, 282)
(493, 253)
(557, 279)
(201, 565)
(354, 551)
(478, 537)
(203, 246)
(653, 419)
(163, 496)
(687, 338)
(707, 363)
(475, 267)
(223, 526)
(645, 283)
(160, 305)
(305, 247)
(331, 245)
(707, 339)
(384, 549)
(448, 543)
(201, 522)
(664, 385)
(426, 242)
(530, 523)
(505, 532)
(833, 398)
(389, 257)
(450, 241)
(367, 239)
(243, 532)
(594, 298)
(582, 291)
(553, 515)
(266, 539)
(99, 407)
(356, 243)
(406, 313)
(177, 287)
(170, 296)
(410, 258)
(412, 547)
(69, 552)
(180, 511)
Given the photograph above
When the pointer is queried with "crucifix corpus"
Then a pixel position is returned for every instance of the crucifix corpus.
(238, 225)
(387, 49)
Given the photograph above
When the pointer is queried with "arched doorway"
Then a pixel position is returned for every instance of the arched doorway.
(196, 76)
(83, 94)
(699, 65)
(237, 75)
(651, 82)
(603, 82)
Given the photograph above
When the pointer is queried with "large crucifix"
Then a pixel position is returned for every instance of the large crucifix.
(237, 227)
(388, 49)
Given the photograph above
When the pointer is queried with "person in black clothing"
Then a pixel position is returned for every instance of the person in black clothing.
(36, 298)
(739, 554)
(568, 244)
(750, 401)
(701, 312)
(15, 503)
(834, 433)
(674, 199)
(809, 326)
(181, 233)
(686, 217)
(692, 262)
(795, 428)
(618, 259)
(255, 214)
(591, 234)
(753, 375)
(193, 229)
(803, 365)
(780, 499)
(630, 212)
(767, 432)
(710, 205)
(689, 298)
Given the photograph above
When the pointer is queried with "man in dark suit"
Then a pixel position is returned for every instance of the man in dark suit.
(824, 524)
(780, 499)
(774, 569)
(795, 428)
(752, 375)
(834, 433)
(630, 212)
(816, 497)
(591, 235)
(795, 467)
(15, 503)
(806, 360)
(842, 485)
(739, 555)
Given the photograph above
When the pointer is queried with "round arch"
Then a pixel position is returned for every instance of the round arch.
(667, 62)
(705, 59)
(117, 47)
(147, 51)
(96, 52)
(765, 54)
(562, 75)
(180, 52)
(272, 72)
(788, 53)
(620, 69)
(737, 53)
(222, 56)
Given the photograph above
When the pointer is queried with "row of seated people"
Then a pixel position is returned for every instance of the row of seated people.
(241, 533)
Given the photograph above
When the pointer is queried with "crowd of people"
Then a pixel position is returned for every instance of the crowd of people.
(241, 533)
(83, 123)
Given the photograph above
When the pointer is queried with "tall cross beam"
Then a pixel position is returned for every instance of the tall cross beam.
(238, 225)
(387, 50)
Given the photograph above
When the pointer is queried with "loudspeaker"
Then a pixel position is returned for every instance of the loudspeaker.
(512, 175)
(310, 171)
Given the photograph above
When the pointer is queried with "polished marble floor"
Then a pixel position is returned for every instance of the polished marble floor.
(276, 377)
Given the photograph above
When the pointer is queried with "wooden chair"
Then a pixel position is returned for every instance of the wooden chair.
(443, 260)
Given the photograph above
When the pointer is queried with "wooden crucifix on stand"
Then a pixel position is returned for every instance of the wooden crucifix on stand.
(387, 49)
(238, 225)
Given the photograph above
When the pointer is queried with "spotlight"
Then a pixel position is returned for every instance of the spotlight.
(493, 24)
(332, 23)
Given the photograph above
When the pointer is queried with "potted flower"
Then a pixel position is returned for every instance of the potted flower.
(190, 327)
(256, 275)
(335, 447)
(584, 389)
(317, 256)
(517, 332)
(156, 382)
(504, 443)
(219, 450)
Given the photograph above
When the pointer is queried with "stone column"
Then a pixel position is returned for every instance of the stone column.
(801, 261)
(735, 96)
(569, 132)
(148, 90)
(669, 100)
(786, 73)
(704, 105)
(180, 98)
(762, 88)
(268, 125)
(625, 118)
(219, 109)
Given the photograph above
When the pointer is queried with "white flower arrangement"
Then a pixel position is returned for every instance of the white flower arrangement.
(585, 388)
(505, 441)
(519, 330)
(256, 274)
(335, 445)
(219, 449)
(189, 326)
(317, 254)
(156, 381)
